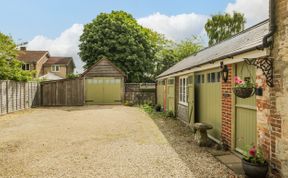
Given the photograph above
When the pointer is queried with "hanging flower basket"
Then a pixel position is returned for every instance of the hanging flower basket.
(244, 92)
(243, 89)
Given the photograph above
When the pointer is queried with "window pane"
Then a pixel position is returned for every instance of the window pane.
(218, 76)
(203, 78)
(208, 78)
(213, 77)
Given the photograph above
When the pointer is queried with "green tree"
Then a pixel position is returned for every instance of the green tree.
(119, 37)
(172, 52)
(10, 67)
(222, 26)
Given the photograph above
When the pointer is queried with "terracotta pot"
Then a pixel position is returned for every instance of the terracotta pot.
(253, 170)
(244, 92)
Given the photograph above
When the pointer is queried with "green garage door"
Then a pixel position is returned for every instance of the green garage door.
(208, 100)
(103, 90)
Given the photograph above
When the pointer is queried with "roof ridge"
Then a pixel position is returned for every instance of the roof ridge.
(233, 36)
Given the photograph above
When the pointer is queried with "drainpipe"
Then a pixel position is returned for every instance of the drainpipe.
(272, 28)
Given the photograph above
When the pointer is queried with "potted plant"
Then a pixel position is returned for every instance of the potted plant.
(254, 163)
(243, 88)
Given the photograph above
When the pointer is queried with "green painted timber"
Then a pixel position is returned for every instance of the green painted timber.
(160, 93)
(208, 100)
(245, 111)
(191, 98)
(171, 95)
(103, 90)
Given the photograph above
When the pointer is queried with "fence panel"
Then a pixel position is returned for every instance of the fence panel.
(140, 93)
(15, 96)
(66, 92)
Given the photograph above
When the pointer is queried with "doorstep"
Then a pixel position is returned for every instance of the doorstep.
(230, 160)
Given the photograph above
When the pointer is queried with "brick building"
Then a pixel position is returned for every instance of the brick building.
(195, 90)
(46, 66)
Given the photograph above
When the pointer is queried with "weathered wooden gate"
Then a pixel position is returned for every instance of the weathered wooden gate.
(245, 111)
(66, 92)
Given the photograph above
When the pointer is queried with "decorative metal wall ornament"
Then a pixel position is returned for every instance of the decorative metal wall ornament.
(266, 65)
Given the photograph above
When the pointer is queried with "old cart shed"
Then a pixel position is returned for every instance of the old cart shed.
(104, 83)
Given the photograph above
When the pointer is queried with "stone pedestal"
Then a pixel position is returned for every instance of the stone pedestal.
(201, 136)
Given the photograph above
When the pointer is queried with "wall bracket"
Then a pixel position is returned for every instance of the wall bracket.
(266, 65)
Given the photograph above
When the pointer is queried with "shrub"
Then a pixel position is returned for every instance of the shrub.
(72, 76)
(128, 103)
(147, 108)
(158, 108)
(170, 114)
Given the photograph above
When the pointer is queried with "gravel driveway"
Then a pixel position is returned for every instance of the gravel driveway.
(99, 141)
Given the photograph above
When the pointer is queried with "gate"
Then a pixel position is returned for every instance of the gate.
(245, 111)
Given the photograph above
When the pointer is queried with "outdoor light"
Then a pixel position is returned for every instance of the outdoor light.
(225, 72)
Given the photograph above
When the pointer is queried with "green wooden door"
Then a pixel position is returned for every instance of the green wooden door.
(191, 99)
(245, 111)
(171, 95)
(103, 90)
(208, 100)
(160, 93)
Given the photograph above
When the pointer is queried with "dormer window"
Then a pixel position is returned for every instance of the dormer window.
(26, 66)
(55, 68)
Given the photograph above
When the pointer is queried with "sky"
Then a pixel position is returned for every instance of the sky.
(56, 25)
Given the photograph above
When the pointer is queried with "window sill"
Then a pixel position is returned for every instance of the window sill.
(184, 104)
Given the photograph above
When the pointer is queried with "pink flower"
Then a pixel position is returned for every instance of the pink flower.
(253, 151)
(238, 80)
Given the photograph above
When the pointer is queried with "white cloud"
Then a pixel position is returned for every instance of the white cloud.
(64, 45)
(255, 11)
(176, 27)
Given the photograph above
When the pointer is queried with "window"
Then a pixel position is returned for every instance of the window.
(218, 76)
(183, 91)
(26, 66)
(55, 68)
(198, 79)
(213, 77)
(208, 78)
(203, 78)
(170, 81)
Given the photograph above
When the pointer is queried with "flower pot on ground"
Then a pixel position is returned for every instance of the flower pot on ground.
(254, 170)
(243, 88)
(254, 163)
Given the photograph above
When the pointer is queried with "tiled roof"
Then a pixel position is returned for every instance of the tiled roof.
(246, 40)
(58, 60)
(31, 56)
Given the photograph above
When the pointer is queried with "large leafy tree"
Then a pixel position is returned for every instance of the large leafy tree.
(10, 67)
(119, 37)
(172, 52)
(222, 26)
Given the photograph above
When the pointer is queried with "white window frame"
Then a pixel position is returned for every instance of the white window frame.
(54, 68)
(183, 91)
(26, 66)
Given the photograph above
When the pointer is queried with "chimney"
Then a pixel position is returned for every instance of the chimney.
(22, 48)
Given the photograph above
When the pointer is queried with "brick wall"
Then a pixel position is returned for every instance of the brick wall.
(279, 93)
(226, 88)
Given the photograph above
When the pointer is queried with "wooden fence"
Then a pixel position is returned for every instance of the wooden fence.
(15, 96)
(66, 92)
(140, 93)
